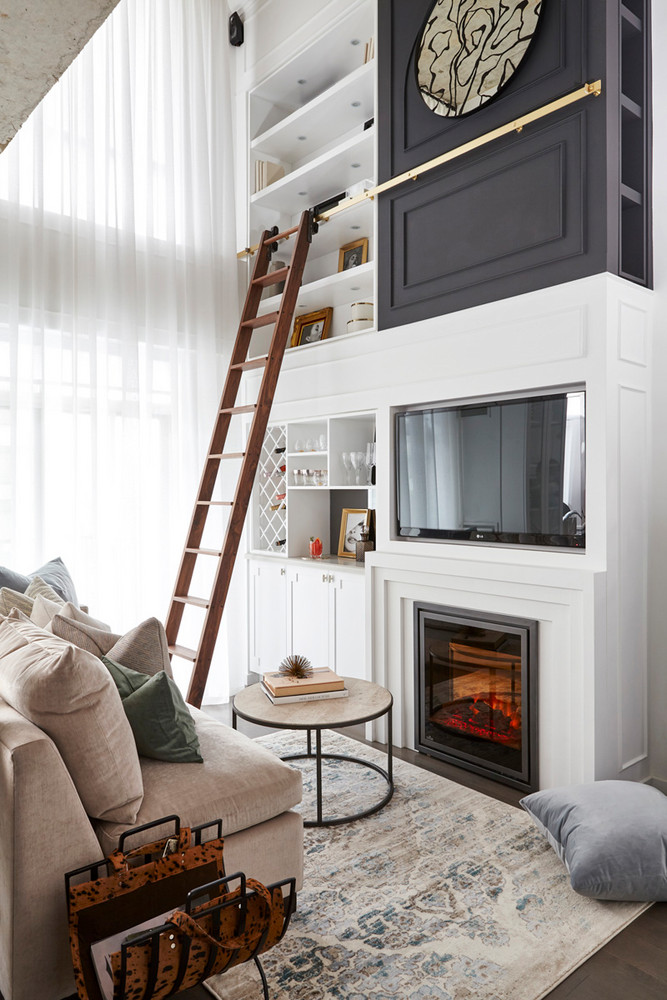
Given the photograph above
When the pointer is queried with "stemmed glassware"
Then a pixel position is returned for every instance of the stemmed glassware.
(358, 460)
(370, 463)
(346, 459)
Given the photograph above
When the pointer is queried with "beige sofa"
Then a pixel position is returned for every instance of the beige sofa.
(46, 829)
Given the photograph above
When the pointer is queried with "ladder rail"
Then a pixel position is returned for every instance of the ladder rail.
(218, 437)
(249, 457)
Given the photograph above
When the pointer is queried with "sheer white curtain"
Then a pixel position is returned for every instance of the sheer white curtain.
(117, 289)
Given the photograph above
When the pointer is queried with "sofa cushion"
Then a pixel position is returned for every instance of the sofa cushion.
(162, 726)
(14, 599)
(70, 695)
(240, 782)
(143, 648)
(611, 836)
(54, 572)
(39, 588)
(44, 611)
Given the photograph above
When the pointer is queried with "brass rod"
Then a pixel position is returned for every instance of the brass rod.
(588, 89)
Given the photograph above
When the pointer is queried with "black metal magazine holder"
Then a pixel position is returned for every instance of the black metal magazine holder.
(110, 917)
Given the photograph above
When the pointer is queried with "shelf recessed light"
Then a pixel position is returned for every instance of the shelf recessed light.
(355, 104)
(354, 41)
(355, 165)
(302, 138)
(355, 288)
(302, 194)
(301, 82)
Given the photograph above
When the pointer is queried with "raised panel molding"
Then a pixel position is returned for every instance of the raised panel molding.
(632, 680)
(483, 229)
(632, 335)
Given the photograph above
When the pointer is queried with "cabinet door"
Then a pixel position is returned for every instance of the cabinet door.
(310, 592)
(348, 625)
(268, 623)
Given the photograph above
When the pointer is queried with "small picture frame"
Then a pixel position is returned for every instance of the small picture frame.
(352, 521)
(353, 254)
(312, 327)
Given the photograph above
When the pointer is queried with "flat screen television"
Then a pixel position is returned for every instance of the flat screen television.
(508, 470)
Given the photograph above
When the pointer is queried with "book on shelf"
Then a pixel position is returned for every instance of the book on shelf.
(322, 679)
(267, 173)
(313, 696)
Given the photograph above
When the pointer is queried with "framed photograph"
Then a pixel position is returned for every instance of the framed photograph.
(351, 523)
(353, 254)
(312, 327)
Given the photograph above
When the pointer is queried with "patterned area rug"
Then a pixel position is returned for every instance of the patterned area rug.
(445, 894)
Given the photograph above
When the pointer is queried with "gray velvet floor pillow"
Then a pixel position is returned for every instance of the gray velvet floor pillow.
(611, 836)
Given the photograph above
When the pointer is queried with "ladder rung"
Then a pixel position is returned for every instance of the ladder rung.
(281, 236)
(240, 409)
(183, 652)
(204, 552)
(228, 454)
(197, 602)
(272, 278)
(246, 366)
(215, 503)
(266, 320)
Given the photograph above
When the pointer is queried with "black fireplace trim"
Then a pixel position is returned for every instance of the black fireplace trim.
(528, 779)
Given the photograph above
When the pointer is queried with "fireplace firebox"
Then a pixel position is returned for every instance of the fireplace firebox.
(476, 692)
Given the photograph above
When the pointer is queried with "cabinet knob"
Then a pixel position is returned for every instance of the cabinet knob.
(282, 570)
(324, 578)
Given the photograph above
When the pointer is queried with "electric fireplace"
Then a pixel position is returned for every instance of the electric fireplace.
(476, 692)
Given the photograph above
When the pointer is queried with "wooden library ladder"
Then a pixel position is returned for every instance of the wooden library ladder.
(281, 320)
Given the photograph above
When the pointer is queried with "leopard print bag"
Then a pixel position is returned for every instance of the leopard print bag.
(137, 930)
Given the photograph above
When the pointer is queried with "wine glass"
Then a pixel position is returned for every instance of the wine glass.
(358, 460)
(346, 459)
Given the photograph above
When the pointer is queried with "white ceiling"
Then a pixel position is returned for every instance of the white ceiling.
(38, 40)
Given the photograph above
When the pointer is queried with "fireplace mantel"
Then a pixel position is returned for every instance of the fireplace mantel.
(592, 723)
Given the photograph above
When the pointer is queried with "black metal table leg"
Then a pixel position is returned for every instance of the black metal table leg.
(318, 744)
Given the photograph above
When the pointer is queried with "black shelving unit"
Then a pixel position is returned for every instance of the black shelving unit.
(635, 142)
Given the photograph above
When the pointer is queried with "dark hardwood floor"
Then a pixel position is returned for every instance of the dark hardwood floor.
(632, 966)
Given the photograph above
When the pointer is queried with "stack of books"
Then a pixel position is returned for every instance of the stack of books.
(267, 173)
(322, 683)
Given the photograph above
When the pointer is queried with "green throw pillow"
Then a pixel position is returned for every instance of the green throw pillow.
(162, 725)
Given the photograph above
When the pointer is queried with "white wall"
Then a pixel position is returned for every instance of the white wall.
(657, 590)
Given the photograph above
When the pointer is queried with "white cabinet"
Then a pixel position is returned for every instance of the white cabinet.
(348, 624)
(311, 135)
(268, 618)
(315, 609)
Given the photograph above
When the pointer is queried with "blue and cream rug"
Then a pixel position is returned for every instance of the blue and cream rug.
(445, 894)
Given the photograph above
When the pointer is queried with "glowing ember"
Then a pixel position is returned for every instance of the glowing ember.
(485, 716)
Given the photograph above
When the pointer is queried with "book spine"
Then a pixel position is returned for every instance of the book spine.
(316, 696)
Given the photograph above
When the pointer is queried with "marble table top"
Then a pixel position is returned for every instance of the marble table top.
(365, 701)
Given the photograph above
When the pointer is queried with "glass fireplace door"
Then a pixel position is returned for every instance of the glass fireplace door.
(476, 688)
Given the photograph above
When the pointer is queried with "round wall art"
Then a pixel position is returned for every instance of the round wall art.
(470, 49)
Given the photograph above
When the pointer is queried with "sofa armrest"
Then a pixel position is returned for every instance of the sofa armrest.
(44, 832)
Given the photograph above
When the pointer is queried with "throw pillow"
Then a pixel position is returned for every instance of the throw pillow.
(143, 648)
(54, 572)
(611, 836)
(13, 599)
(45, 611)
(38, 588)
(70, 695)
(162, 725)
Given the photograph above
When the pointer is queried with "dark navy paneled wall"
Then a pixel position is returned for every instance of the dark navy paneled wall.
(527, 211)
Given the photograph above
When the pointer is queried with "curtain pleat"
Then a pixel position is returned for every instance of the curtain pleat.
(117, 296)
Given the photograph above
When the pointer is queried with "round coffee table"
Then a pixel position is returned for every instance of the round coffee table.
(366, 701)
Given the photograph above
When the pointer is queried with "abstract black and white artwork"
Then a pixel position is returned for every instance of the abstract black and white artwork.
(470, 49)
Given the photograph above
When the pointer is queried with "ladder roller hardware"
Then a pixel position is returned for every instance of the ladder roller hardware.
(281, 320)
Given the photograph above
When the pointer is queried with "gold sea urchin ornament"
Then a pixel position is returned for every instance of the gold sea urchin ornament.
(296, 666)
